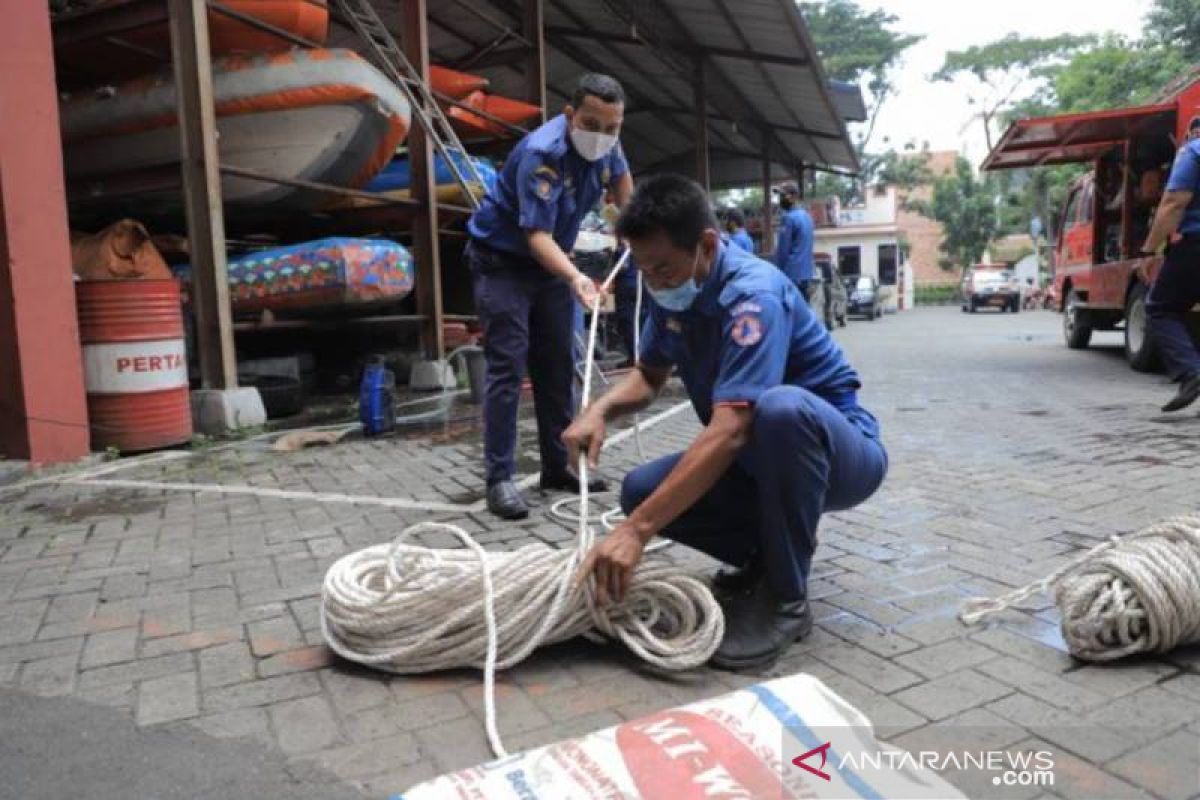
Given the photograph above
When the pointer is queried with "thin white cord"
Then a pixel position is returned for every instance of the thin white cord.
(410, 609)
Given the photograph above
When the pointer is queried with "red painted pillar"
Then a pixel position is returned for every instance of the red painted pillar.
(43, 413)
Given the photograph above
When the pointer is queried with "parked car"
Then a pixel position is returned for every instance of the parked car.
(986, 286)
(863, 296)
(827, 293)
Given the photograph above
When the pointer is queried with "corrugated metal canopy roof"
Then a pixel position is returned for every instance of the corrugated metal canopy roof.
(766, 90)
(1071, 138)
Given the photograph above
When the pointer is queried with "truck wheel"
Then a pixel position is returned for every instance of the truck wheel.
(1077, 324)
(1141, 351)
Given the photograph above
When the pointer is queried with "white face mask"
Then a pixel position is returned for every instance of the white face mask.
(590, 145)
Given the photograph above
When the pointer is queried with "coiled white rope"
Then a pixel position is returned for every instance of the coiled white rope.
(404, 608)
(1134, 594)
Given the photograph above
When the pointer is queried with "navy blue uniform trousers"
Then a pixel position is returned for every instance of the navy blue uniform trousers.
(527, 317)
(1175, 291)
(803, 458)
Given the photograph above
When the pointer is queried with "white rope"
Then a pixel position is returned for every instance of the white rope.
(1134, 594)
(404, 608)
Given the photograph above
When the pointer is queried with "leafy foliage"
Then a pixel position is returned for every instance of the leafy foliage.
(1007, 66)
(1176, 24)
(966, 207)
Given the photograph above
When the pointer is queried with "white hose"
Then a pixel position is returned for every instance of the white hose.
(409, 609)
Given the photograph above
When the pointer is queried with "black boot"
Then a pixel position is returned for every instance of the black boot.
(505, 501)
(566, 482)
(759, 628)
(733, 580)
(1189, 390)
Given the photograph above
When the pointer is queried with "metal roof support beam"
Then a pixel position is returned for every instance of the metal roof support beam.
(700, 94)
(491, 55)
(581, 57)
(534, 27)
(414, 39)
(559, 90)
(499, 25)
(681, 47)
(723, 89)
(766, 76)
(724, 118)
(202, 192)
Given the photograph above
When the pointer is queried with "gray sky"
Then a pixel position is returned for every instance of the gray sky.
(937, 112)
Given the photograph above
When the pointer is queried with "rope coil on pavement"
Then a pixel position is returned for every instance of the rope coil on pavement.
(1134, 594)
(407, 609)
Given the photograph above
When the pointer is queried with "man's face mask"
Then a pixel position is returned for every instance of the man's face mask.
(681, 297)
(590, 145)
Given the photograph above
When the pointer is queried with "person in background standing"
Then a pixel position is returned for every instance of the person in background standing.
(794, 248)
(524, 280)
(735, 226)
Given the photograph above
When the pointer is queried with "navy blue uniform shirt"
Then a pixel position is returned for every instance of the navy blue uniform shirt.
(749, 331)
(1185, 177)
(546, 186)
(742, 239)
(794, 249)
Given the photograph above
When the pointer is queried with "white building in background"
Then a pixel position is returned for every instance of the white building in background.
(866, 241)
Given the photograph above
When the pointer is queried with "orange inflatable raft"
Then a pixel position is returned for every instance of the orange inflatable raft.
(505, 108)
(94, 61)
(318, 115)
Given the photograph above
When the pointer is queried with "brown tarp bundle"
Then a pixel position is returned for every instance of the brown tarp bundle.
(122, 250)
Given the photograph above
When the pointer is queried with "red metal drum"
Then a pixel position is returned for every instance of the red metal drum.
(135, 363)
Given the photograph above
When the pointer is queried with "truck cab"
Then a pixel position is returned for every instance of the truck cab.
(1108, 210)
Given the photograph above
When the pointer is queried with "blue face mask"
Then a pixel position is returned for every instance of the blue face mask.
(681, 297)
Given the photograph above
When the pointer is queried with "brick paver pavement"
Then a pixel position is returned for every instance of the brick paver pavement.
(1009, 454)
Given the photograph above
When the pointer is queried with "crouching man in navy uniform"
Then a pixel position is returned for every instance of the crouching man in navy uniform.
(784, 437)
(526, 286)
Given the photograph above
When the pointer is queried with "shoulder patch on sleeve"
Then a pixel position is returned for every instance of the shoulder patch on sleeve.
(747, 329)
(746, 307)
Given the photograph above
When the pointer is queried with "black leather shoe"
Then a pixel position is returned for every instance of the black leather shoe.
(732, 580)
(505, 501)
(569, 483)
(759, 628)
(1187, 394)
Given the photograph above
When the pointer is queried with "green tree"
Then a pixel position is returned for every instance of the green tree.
(857, 45)
(966, 207)
(1008, 70)
(1115, 73)
(1176, 24)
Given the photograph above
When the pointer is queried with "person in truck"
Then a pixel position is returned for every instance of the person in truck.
(1176, 289)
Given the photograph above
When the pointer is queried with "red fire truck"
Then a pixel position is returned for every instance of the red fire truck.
(1108, 211)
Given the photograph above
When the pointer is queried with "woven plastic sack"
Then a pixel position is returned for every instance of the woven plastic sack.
(739, 745)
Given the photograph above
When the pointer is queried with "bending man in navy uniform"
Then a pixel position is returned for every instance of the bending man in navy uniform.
(1176, 289)
(794, 248)
(526, 286)
(784, 437)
